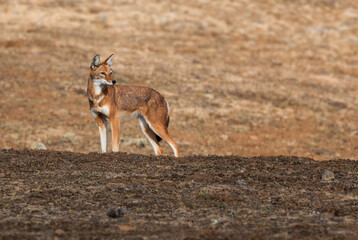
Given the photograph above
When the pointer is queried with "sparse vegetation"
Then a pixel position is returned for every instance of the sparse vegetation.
(242, 77)
(202, 193)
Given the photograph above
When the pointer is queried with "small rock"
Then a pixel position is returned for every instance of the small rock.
(39, 145)
(315, 213)
(112, 213)
(327, 175)
(214, 222)
(122, 211)
(117, 213)
(59, 232)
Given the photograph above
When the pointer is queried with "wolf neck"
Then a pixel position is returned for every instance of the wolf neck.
(98, 88)
(96, 91)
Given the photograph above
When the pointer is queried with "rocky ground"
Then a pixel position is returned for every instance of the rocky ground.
(48, 194)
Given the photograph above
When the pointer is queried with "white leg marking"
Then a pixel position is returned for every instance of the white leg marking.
(168, 107)
(94, 113)
(103, 137)
(174, 149)
(176, 153)
(143, 124)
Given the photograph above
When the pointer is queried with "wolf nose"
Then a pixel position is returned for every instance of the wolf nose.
(114, 82)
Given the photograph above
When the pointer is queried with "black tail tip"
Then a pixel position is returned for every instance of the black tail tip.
(158, 138)
(167, 124)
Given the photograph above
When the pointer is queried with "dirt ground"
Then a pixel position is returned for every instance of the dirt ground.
(66, 195)
(243, 78)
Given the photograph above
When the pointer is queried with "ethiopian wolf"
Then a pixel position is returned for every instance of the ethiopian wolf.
(110, 102)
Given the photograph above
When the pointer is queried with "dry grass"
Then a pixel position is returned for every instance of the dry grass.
(244, 77)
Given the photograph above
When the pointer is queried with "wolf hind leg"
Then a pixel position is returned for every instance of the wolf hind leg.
(161, 130)
(150, 135)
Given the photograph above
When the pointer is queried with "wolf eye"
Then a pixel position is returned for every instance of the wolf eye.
(103, 73)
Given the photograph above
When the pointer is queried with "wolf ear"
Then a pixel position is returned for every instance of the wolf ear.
(109, 60)
(95, 62)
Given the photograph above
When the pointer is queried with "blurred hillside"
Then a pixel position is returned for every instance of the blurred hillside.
(263, 77)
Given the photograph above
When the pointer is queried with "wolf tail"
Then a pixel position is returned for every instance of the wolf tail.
(167, 124)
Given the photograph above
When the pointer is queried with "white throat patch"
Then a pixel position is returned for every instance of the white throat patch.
(104, 110)
(98, 85)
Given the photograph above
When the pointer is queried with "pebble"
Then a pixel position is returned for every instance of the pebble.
(39, 145)
(59, 232)
(117, 213)
(327, 175)
(314, 213)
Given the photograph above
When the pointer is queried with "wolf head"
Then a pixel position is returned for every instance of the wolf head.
(101, 73)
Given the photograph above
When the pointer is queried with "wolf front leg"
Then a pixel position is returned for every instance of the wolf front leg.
(115, 133)
(102, 127)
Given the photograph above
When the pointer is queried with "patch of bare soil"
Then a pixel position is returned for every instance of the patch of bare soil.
(49, 194)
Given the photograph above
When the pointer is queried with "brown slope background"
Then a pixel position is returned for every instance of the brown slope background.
(268, 77)
(243, 79)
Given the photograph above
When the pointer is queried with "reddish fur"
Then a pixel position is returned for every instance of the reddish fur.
(128, 100)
